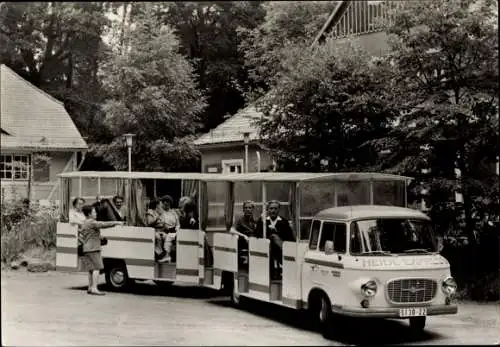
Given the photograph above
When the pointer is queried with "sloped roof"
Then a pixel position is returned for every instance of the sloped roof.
(32, 119)
(232, 129)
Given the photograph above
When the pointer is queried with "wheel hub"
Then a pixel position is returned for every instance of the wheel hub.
(118, 277)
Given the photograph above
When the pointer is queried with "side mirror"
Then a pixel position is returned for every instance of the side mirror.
(329, 247)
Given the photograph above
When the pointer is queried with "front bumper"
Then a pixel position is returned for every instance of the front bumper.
(390, 312)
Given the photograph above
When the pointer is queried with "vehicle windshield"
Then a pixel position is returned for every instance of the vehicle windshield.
(392, 236)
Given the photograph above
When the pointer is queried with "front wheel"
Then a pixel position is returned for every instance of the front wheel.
(117, 277)
(321, 312)
(417, 324)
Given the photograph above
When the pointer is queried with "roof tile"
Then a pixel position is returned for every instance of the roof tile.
(232, 130)
(33, 118)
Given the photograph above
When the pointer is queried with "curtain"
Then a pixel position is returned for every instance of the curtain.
(292, 208)
(122, 188)
(137, 205)
(189, 188)
(204, 205)
(229, 205)
(65, 199)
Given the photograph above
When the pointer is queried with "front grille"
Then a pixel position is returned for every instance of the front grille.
(411, 290)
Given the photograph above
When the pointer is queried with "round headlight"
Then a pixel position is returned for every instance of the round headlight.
(449, 286)
(369, 289)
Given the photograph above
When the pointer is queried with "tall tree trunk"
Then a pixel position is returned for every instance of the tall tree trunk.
(467, 201)
(69, 75)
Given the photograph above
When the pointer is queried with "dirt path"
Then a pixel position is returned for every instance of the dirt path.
(54, 309)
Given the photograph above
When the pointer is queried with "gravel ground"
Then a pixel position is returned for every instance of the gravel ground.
(47, 309)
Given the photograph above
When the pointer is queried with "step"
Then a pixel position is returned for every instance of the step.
(243, 283)
(165, 270)
(209, 276)
(276, 290)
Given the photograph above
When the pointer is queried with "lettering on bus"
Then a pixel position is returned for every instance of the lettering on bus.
(404, 261)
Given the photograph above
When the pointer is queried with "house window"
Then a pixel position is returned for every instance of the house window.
(14, 167)
(232, 166)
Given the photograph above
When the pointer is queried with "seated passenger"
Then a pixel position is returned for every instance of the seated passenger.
(154, 220)
(278, 230)
(171, 225)
(188, 220)
(76, 216)
(120, 207)
(187, 217)
(245, 225)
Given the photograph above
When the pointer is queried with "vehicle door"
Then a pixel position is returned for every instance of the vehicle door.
(331, 253)
(67, 245)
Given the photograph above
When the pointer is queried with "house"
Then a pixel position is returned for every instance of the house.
(38, 140)
(223, 149)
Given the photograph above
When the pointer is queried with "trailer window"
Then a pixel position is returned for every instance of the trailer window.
(313, 243)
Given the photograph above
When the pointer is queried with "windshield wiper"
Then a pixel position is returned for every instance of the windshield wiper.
(376, 253)
(418, 250)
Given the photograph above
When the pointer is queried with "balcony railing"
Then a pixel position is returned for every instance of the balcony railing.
(363, 17)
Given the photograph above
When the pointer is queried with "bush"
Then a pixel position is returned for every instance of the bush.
(475, 267)
(25, 228)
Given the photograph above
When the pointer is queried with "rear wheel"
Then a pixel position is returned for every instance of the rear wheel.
(417, 324)
(117, 277)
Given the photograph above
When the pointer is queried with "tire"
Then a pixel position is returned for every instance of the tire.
(117, 277)
(320, 315)
(417, 324)
(164, 284)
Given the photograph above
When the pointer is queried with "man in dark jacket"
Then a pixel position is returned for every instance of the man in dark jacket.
(278, 230)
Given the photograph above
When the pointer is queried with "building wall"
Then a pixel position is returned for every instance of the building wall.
(374, 43)
(212, 158)
(42, 184)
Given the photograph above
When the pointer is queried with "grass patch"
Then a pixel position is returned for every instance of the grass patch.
(27, 231)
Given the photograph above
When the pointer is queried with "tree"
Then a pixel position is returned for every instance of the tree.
(286, 23)
(57, 47)
(325, 106)
(152, 93)
(207, 32)
(446, 57)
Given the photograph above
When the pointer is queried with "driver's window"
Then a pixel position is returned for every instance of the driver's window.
(335, 232)
(326, 234)
(313, 241)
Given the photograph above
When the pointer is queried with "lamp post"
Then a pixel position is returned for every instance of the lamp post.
(246, 140)
(128, 138)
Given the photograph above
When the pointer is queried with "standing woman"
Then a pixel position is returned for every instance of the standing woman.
(90, 235)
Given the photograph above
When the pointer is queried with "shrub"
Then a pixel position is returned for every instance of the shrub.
(24, 228)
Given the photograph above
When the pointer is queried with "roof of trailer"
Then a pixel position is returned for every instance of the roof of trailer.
(134, 175)
(258, 176)
(304, 176)
(369, 211)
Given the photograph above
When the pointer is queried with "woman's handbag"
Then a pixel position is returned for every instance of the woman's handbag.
(104, 241)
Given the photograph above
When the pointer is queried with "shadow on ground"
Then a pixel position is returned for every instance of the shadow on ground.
(350, 330)
(151, 289)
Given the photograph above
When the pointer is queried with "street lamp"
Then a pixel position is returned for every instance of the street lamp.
(128, 138)
(246, 140)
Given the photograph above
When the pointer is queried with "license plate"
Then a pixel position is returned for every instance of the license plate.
(413, 312)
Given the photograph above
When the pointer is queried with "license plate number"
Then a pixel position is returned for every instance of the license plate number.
(413, 312)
